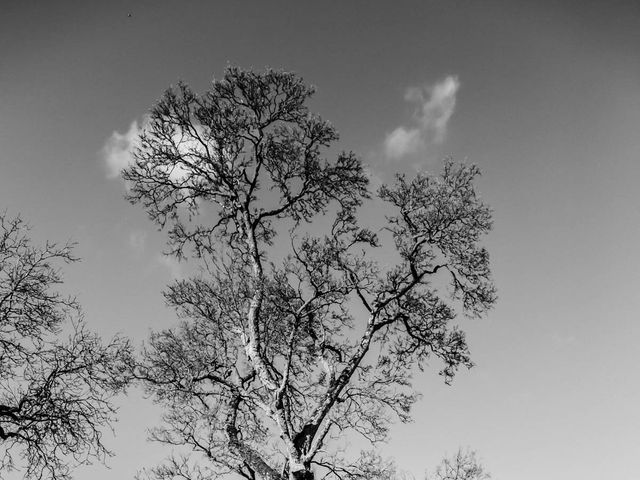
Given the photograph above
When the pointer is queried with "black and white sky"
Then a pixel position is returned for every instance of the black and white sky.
(543, 95)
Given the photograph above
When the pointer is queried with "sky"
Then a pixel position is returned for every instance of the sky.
(544, 96)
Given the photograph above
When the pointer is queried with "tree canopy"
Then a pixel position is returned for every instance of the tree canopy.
(55, 392)
(289, 340)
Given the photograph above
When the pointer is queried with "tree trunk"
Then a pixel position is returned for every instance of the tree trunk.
(302, 475)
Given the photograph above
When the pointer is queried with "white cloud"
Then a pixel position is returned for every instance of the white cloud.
(434, 107)
(118, 149)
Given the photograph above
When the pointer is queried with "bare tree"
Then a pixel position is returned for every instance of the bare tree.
(462, 466)
(278, 357)
(54, 393)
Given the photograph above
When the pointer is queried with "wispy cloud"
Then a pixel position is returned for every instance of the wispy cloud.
(174, 267)
(563, 340)
(435, 105)
(118, 149)
(137, 240)
(375, 181)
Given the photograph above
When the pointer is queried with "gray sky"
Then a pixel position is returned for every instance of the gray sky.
(544, 96)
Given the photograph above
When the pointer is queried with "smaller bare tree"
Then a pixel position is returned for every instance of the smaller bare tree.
(464, 465)
(54, 393)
